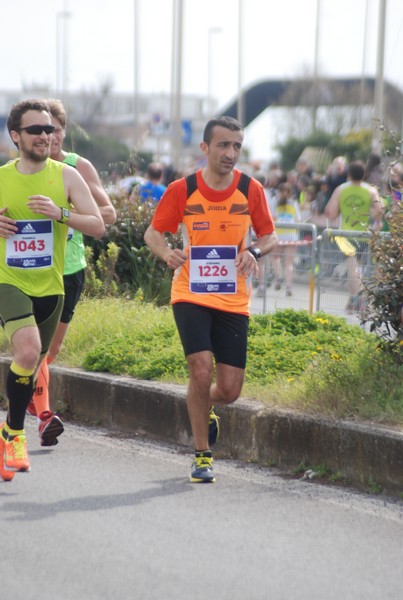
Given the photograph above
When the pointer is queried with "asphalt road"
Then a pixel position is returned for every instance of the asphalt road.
(101, 517)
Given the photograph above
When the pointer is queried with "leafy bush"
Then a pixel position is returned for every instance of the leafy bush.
(100, 150)
(313, 363)
(289, 341)
(137, 271)
(153, 351)
(384, 289)
(360, 381)
(100, 277)
(316, 363)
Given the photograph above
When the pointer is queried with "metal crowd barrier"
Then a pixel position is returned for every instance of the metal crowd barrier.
(343, 257)
(325, 268)
(270, 291)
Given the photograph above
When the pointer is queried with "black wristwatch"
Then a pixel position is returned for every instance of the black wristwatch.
(256, 253)
(65, 215)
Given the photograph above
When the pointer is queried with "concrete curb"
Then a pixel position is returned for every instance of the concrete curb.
(366, 456)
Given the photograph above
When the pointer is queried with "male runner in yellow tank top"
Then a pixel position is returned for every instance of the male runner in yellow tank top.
(359, 207)
(212, 282)
(36, 195)
(50, 425)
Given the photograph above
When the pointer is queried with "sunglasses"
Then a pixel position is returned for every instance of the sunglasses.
(38, 129)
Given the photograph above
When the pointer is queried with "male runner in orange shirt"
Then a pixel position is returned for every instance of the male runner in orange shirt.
(216, 209)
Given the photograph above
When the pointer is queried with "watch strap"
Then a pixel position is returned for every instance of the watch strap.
(256, 253)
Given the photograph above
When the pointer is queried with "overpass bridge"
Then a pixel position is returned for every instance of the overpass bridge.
(306, 92)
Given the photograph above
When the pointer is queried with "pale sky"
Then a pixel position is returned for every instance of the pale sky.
(278, 40)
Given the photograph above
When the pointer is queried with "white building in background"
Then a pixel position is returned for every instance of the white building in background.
(104, 112)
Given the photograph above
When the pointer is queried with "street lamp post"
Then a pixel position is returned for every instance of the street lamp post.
(241, 97)
(136, 77)
(315, 99)
(62, 53)
(378, 101)
(176, 82)
(364, 58)
(211, 32)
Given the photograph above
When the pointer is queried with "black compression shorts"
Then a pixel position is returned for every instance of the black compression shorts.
(73, 287)
(222, 333)
(19, 310)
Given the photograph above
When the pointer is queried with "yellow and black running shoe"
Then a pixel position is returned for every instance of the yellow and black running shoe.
(213, 427)
(202, 468)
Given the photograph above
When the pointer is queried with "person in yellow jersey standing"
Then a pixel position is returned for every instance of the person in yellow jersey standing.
(358, 205)
(50, 425)
(39, 199)
(216, 208)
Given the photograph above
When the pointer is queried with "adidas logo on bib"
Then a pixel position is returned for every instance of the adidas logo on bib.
(28, 229)
(213, 254)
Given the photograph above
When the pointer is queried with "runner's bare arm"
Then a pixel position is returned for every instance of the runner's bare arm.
(90, 175)
(266, 243)
(155, 240)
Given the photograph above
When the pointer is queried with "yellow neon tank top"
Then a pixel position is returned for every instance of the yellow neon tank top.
(33, 259)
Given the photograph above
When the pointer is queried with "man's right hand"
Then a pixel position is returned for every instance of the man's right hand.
(175, 258)
(7, 225)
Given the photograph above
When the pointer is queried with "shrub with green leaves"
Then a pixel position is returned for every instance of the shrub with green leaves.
(315, 363)
(100, 277)
(137, 271)
(384, 289)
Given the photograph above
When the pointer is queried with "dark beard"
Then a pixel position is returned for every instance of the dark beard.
(31, 155)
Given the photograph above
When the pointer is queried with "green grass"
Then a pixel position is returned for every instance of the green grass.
(316, 364)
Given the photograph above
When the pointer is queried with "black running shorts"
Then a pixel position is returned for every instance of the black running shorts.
(222, 333)
(73, 287)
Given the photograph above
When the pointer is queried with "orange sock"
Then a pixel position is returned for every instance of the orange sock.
(41, 391)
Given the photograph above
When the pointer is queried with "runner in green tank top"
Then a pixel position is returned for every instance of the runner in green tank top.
(358, 205)
(50, 425)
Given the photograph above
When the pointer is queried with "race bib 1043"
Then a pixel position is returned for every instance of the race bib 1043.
(32, 246)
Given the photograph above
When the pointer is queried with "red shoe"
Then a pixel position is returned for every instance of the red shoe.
(50, 428)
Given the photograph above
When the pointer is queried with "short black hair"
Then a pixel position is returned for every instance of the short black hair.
(227, 122)
(356, 170)
(154, 171)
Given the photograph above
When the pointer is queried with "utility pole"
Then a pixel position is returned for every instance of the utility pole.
(176, 83)
(136, 77)
(378, 100)
(315, 99)
(241, 95)
(62, 52)
(364, 57)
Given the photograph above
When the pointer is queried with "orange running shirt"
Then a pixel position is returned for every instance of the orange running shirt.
(215, 225)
